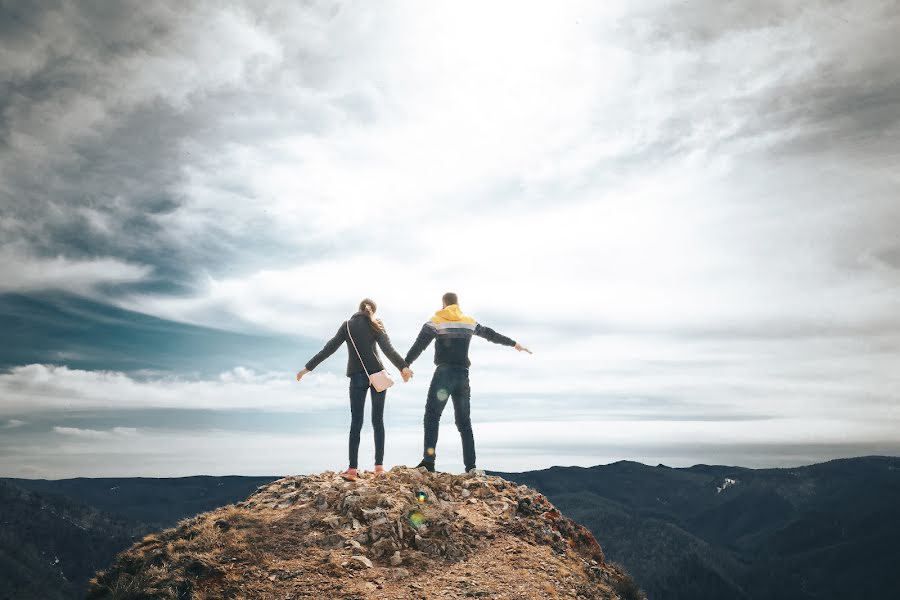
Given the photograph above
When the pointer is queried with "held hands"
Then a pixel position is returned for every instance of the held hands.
(407, 374)
(301, 374)
(522, 348)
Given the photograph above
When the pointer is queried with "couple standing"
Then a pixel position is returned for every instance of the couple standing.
(452, 331)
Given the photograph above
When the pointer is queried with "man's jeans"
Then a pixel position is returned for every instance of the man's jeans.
(449, 382)
(359, 386)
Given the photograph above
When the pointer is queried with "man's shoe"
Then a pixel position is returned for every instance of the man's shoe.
(427, 465)
(475, 471)
(349, 474)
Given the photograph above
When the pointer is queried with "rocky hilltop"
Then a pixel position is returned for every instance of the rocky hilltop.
(409, 534)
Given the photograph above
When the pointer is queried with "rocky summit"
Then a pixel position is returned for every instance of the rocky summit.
(408, 534)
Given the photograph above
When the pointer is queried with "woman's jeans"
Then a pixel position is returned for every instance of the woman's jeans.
(449, 382)
(359, 385)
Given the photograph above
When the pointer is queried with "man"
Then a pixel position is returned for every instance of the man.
(452, 331)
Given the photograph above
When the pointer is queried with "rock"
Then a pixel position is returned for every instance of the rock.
(321, 527)
(382, 547)
(332, 521)
(349, 502)
(360, 562)
(372, 514)
(223, 525)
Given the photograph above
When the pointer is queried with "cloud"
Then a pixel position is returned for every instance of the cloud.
(13, 423)
(96, 434)
(40, 388)
(23, 274)
(686, 209)
(247, 177)
(509, 445)
(619, 381)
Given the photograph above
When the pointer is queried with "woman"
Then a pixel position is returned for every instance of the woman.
(366, 331)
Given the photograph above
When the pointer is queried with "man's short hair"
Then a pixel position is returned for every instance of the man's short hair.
(450, 298)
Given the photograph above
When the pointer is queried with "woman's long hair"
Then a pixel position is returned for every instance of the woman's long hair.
(368, 306)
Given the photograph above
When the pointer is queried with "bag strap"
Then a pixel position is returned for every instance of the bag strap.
(350, 335)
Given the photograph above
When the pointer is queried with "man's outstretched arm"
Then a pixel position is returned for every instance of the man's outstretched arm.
(427, 334)
(498, 338)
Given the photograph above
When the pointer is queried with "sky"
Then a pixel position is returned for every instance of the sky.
(689, 211)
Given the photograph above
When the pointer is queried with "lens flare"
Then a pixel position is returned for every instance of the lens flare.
(421, 497)
(430, 452)
(442, 395)
(416, 519)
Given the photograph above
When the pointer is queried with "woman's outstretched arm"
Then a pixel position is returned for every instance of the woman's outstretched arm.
(330, 347)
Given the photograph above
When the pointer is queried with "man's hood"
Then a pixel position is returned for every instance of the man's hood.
(451, 314)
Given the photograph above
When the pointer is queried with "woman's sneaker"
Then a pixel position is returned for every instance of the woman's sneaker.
(349, 474)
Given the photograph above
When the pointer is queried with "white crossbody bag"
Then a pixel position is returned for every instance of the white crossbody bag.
(380, 380)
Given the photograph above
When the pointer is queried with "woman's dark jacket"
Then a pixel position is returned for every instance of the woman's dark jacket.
(365, 337)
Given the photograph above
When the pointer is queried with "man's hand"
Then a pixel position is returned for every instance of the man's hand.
(407, 374)
(522, 348)
(301, 374)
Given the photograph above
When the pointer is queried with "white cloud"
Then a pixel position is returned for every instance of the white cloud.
(44, 389)
(671, 204)
(23, 273)
(13, 423)
(94, 434)
(595, 402)
(567, 168)
(507, 445)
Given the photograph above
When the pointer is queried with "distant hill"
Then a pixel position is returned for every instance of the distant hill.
(50, 545)
(54, 535)
(158, 503)
(708, 532)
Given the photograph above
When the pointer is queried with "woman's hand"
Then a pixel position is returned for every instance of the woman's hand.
(406, 373)
(522, 348)
(301, 374)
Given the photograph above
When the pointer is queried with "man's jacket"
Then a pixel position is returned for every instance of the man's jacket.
(452, 332)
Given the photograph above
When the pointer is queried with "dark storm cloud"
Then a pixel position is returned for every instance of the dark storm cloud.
(96, 192)
(93, 158)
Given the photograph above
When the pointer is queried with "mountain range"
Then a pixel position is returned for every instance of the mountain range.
(704, 532)
(709, 532)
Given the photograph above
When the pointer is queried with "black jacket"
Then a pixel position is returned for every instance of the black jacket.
(452, 340)
(366, 338)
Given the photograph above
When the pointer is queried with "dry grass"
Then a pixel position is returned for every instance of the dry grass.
(296, 539)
